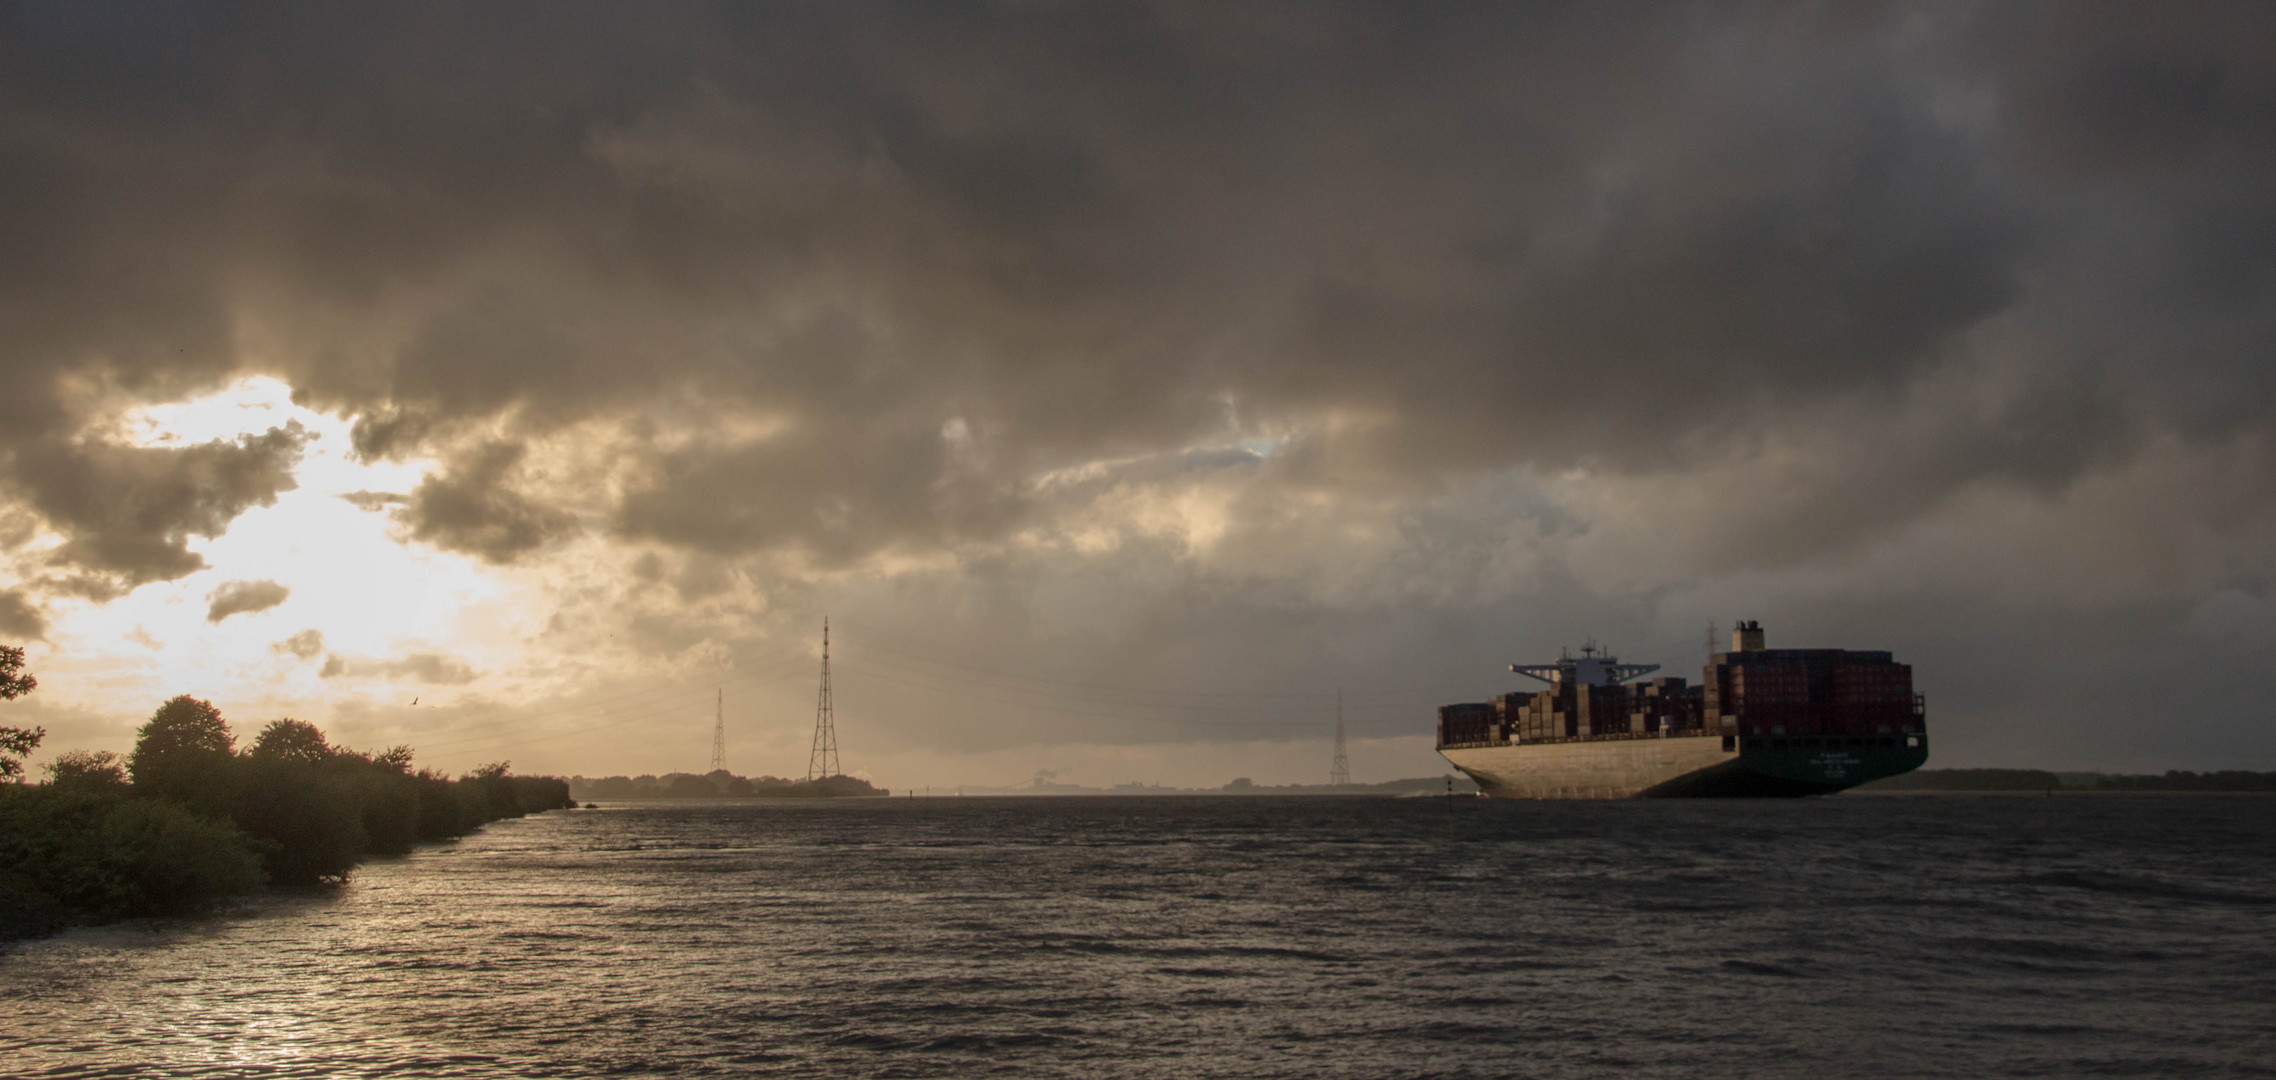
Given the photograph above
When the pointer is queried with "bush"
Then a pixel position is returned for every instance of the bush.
(497, 788)
(110, 856)
(390, 804)
(537, 794)
(439, 809)
(309, 821)
(15, 742)
(690, 786)
(200, 822)
(94, 770)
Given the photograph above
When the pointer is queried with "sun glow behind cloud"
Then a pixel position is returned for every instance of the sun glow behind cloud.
(350, 579)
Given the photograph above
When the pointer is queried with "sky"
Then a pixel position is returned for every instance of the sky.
(528, 382)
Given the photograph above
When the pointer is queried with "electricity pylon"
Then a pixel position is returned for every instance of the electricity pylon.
(1339, 773)
(823, 759)
(719, 733)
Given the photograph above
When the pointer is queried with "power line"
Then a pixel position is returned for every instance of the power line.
(510, 739)
(862, 644)
(648, 694)
(1280, 722)
(675, 700)
(1286, 705)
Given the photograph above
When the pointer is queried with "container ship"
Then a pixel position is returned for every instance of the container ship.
(1764, 723)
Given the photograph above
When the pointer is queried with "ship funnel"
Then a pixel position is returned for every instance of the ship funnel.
(1747, 636)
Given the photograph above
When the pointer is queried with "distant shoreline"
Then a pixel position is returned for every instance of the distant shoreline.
(2063, 791)
(2047, 781)
(716, 787)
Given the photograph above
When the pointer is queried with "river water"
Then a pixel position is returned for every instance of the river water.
(1960, 936)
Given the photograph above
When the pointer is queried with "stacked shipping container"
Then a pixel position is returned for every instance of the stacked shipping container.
(1573, 710)
(1469, 724)
(1749, 691)
(1810, 692)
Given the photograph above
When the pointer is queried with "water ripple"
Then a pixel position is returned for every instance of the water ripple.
(1913, 937)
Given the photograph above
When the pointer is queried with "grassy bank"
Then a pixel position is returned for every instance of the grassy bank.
(188, 822)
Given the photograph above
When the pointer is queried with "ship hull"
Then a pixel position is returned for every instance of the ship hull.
(1678, 768)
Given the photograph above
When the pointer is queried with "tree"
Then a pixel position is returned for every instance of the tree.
(99, 770)
(293, 740)
(185, 752)
(689, 786)
(15, 682)
(495, 782)
(183, 723)
(15, 742)
(308, 819)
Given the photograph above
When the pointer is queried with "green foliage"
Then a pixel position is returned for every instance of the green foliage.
(184, 724)
(497, 790)
(98, 770)
(717, 783)
(15, 742)
(200, 822)
(537, 794)
(684, 786)
(186, 754)
(389, 807)
(293, 740)
(15, 682)
(108, 856)
(474, 803)
(440, 812)
(306, 818)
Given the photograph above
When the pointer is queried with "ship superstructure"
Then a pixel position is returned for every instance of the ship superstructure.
(1762, 722)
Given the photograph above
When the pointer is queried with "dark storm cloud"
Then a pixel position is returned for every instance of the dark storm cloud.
(243, 597)
(129, 511)
(1536, 235)
(1539, 234)
(467, 508)
(19, 619)
(839, 501)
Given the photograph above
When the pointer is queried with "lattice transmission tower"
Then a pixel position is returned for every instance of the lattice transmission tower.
(1340, 771)
(823, 760)
(719, 732)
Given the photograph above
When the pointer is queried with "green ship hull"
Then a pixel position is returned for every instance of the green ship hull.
(1792, 773)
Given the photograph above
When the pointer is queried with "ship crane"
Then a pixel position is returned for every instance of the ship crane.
(1596, 666)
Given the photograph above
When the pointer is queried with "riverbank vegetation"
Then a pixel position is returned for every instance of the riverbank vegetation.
(719, 784)
(188, 821)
